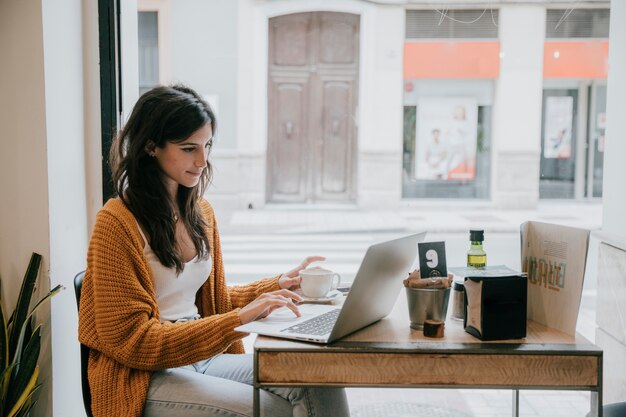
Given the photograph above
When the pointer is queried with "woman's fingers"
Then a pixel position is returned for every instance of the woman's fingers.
(290, 283)
(303, 265)
(286, 293)
(309, 260)
(285, 298)
(288, 302)
(267, 303)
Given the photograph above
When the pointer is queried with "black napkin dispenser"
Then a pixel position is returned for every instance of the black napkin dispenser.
(495, 307)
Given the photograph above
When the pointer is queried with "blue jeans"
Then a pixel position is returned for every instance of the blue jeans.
(222, 386)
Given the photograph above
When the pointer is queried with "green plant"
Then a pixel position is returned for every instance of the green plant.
(19, 348)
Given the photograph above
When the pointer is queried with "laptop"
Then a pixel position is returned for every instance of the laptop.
(373, 293)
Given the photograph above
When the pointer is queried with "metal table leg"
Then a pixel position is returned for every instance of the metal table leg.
(596, 404)
(256, 402)
(515, 403)
(256, 395)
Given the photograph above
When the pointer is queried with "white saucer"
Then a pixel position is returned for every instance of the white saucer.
(329, 297)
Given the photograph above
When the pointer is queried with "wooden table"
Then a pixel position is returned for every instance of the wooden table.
(391, 354)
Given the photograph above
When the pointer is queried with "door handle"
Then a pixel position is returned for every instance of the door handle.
(289, 128)
(335, 127)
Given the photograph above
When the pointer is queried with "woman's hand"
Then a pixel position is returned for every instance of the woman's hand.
(264, 304)
(290, 280)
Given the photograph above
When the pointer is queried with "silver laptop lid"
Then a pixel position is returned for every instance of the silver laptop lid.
(377, 284)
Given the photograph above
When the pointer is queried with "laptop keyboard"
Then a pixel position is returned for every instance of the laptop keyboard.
(318, 326)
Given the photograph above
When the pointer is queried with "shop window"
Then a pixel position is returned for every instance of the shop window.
(558, 144)
(574, 102)
(448, 93)
(572, 140)
(595, 140)
(447, 139)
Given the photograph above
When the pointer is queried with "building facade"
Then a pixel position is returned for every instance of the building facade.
(379, 104)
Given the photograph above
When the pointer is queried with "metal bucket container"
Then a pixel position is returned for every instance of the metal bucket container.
(427, 304)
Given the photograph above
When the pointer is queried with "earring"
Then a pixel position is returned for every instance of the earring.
(149, 149)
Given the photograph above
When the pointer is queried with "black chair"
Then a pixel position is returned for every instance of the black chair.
(84, 350)
(613, 410)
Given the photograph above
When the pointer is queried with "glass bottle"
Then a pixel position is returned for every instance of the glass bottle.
(476, 255)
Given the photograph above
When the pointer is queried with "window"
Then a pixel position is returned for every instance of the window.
(148, 52)
(452, 111)
(577, 23)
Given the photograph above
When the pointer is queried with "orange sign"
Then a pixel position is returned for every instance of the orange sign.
(452, 59)
(481, 59)
(576, 59)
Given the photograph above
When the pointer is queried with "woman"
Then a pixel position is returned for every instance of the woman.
(155, 310)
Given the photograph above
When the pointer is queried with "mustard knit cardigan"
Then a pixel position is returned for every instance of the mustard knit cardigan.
(119, 316)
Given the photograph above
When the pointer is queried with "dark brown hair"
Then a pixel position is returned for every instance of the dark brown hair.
(161, 115)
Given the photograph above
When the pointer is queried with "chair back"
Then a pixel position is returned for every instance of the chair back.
(84, 350)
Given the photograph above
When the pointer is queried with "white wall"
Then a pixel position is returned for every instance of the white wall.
(129, 56)
(204, 56)
(66, 133)
(614, 192)
(611, 330)
(516, 131)
(42, 171)
(197, 47)
(23, 164)
(381, 109)
(92, 111)
(204, 38)
(22, 118)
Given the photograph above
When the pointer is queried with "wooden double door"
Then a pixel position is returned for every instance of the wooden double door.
(312, 103)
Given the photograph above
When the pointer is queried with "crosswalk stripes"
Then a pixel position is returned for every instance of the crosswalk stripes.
(251, 257)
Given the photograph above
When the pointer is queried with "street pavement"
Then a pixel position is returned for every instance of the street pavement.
(264, 242)
(452, 218)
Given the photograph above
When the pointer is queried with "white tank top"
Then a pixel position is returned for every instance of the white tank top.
(176, 295)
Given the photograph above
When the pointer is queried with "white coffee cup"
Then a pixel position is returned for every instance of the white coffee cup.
(318, 282)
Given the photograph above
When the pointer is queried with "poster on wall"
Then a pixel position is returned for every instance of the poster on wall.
(557, 133)
(446, 131)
